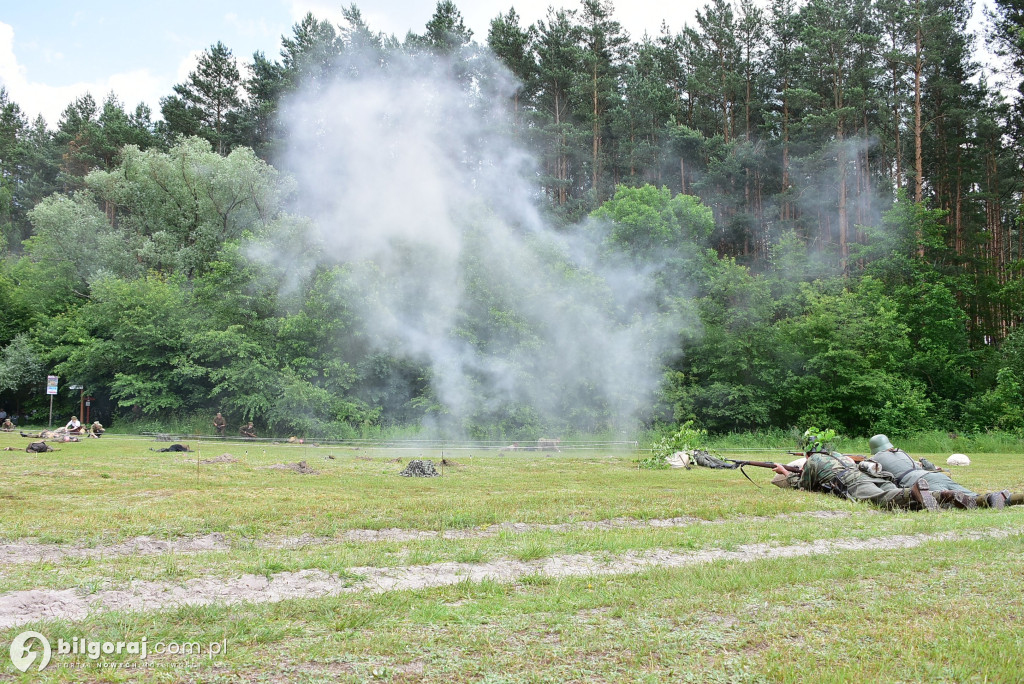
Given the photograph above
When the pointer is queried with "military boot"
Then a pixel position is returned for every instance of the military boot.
(921, 493)
(1015, 500)
(994, 499)
(951, 499)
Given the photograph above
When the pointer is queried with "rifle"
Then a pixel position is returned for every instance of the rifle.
(760, 464)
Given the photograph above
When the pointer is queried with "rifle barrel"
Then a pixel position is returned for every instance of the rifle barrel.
(764, 464)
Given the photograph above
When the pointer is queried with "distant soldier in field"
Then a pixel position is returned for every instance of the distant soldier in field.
(74, 426)
(905, 471)
(219, 424)
(247, 430)
(96, 429)
(7, 426)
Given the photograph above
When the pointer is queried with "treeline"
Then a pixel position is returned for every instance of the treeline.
(859, 266)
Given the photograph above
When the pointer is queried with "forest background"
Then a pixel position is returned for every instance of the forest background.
(784, 215)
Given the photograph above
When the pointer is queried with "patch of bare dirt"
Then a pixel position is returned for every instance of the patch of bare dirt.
(223, 458)
(301, 467)
(21, 607)
(26, 551)
(393, 534)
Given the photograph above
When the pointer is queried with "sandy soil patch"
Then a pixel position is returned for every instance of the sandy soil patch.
(394, 534)
(301, 467)
(223, 458)
(26, 606)
(26, 551)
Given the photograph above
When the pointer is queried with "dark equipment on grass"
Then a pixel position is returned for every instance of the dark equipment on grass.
(173, 447)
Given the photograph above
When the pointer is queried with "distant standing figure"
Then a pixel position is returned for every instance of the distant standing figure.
(219, 424)
(74, 426)
(96, 430)
(247, 430)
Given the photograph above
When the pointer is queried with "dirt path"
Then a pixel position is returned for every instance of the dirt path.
(22, 607)
(27, 551)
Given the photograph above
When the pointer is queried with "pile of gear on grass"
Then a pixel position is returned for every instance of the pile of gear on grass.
(419, 468)
(425, 468)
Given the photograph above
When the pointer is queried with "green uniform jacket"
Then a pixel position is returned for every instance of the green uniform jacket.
(906, 471)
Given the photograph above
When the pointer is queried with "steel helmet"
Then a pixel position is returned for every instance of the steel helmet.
(879, 443)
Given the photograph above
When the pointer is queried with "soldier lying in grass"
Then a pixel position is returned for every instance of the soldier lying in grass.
(833, 473)
(58, 435)
(905, 471)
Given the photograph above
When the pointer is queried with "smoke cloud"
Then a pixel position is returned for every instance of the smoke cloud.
(413, 180)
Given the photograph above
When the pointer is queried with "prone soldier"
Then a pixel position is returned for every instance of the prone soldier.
(905, 472)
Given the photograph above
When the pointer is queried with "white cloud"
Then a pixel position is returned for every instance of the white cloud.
(249, 27)
(187, 65)
(131, 87)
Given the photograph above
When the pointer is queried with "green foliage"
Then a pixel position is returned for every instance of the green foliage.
(1003, 405)
(178, 209)
(19, 364)
(685, 438)
(208, 100)
(648, 222)
(802, 292)
(816, 439)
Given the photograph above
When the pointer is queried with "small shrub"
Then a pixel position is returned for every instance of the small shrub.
(686, 438)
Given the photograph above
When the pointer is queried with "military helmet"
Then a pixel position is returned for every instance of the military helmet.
(879, 443)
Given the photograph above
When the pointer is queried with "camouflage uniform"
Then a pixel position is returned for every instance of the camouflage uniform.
(834, 473)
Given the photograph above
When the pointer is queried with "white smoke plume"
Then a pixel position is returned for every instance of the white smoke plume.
(413, 181)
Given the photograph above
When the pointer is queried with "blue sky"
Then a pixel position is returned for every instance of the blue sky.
(55, 50)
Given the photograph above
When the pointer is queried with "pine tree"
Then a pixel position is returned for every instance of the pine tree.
(512, 44)
(603, 44)
(559, 62)
(207, 99)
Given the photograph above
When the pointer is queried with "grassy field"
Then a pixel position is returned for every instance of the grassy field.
(697, 575)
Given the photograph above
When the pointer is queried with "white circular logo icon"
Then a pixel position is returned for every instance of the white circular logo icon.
(22, 654)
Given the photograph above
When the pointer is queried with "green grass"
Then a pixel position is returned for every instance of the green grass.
(942, 611)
